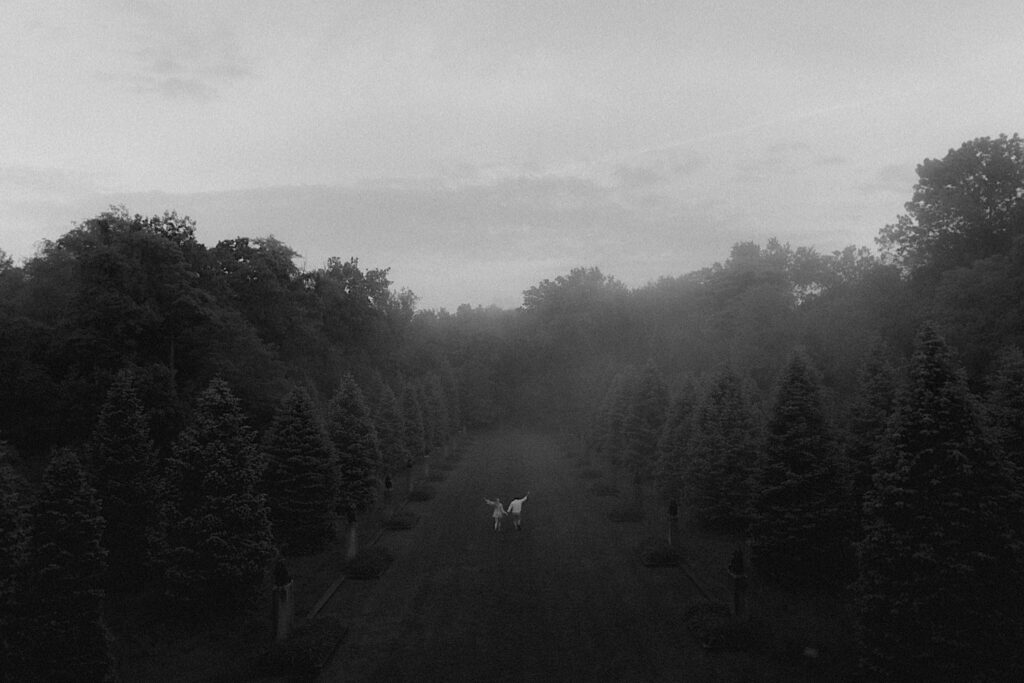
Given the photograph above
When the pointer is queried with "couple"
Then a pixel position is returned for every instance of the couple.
(515, 508)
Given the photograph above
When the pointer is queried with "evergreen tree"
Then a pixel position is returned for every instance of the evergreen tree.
(674, 443)
(217, 536)
(300, 477)
(1005, 404)
(13, 556)
(413, 433)
(612, 416)
(869, 416)
(123, 463)
(450, 394)
(390, 430)
(723, 455)
(801, 529)
(940, 568)
(641, 429)
(63, 637)
(355, 442)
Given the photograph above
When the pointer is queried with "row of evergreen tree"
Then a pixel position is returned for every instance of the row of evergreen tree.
(202, 525)
(915, 506)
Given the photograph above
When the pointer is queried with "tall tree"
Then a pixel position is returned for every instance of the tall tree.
(642, 427)
(869, 416)
(940, 566)
(412, 422)
(390, 429)
(674, 443)
(1005, 404)
(801, 530)
(13, 557)
(63, 637)
(354, 436)
(966, 206)
(124, 466)
(301, 477)
(723, 455)
(217, 535)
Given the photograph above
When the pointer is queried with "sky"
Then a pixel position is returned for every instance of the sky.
(476, 148)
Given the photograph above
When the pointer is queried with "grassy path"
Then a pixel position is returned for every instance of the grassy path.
(565, 599)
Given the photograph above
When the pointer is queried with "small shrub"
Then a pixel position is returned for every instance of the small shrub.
(603, 488)
(590, 474)
(306, 651)
(627, 514)
(369, 564)
(655, 552)
(402, 521)
(422, 493)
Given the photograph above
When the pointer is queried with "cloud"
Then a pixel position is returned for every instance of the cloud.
(895, 179)
(178, 52)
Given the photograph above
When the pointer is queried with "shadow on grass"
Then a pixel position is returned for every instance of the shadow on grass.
(305, 652)
(630, 513)
(422, 493)
(402, 520)
(604, 489)
(369, 564)
(656, 552)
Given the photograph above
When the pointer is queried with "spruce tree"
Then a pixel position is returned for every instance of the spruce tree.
(413, 433)
(1005, 404)
(62, 635)
(641, 428)
(354, 436)
(674, 444)
(301, 477)
(869, 416)
(13, 557)
(390, 430)
(612, 416)
(723, 455)
(940, 567)
(801, 527)
(217, 536)
(123, 463)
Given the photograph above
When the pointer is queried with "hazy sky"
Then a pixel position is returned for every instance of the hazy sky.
(476, 148)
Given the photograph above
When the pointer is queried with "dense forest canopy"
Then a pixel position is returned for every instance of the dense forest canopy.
(133, 315)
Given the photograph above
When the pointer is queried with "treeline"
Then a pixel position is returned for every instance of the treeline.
(859, 416)
(176, 418)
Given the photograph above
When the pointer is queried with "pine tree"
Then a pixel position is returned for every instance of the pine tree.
(390, 430)
(869, 416)
(450, 393)
(940, 568)
(612, 414)
(123, 463)
(354, 436)
(13, 557)
(62, 635)
(1005, 404)
(723, 456)
(641, 429)
(412, 423)
(674, 444)
(300, 477)
(801, 528)
(217, 536)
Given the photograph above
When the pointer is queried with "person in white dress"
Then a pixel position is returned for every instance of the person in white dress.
(499, 512)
